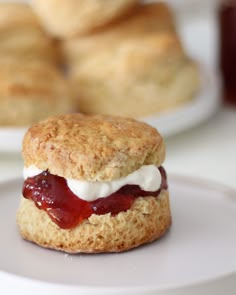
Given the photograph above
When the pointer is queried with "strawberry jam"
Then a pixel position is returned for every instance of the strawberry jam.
(51, 194)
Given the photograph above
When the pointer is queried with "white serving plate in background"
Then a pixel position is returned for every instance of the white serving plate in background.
(11, 139)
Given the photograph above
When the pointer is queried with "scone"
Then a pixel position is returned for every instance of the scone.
(23, 37)
(30, 92)
(93, 184)
(64, 18)
(135, 67)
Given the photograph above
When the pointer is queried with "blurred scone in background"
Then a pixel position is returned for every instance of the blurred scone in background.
(31, 85)
(134, 67)
(22, 36)
(120, 57)
(65, 18)
(31, 91)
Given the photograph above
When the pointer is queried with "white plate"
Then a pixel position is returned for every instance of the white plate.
(11, 139)
(197, 256)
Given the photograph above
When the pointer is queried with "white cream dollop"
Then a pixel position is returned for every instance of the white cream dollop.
(31, 171)
(148, 178)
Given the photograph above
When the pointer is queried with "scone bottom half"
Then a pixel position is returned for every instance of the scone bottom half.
(93, 184)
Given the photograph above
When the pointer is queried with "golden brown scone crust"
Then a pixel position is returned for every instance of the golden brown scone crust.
(147, 220)
(94, 148)
(65, 18)
(135, 67)
(30, 92)
(22, 36)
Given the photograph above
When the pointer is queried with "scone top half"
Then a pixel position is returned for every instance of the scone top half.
(92, 148)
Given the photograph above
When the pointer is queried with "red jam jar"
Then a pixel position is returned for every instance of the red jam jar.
(227, 49)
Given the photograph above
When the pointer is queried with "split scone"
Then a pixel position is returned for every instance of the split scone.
(22, 36)
(30, 92)
(135, 67)
(64, 18)
(93, 184)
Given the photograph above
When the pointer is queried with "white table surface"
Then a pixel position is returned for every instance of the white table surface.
(207, 151)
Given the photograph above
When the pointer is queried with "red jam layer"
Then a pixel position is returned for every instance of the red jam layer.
(51, 193)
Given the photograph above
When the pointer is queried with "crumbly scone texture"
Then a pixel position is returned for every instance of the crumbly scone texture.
(139, 67)
(23, 37)
(13, 15)
(28, 44)
(144, 21)
(30, 92)
(93, 148)
(65, 18)
(147, 220)
(135, 93)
